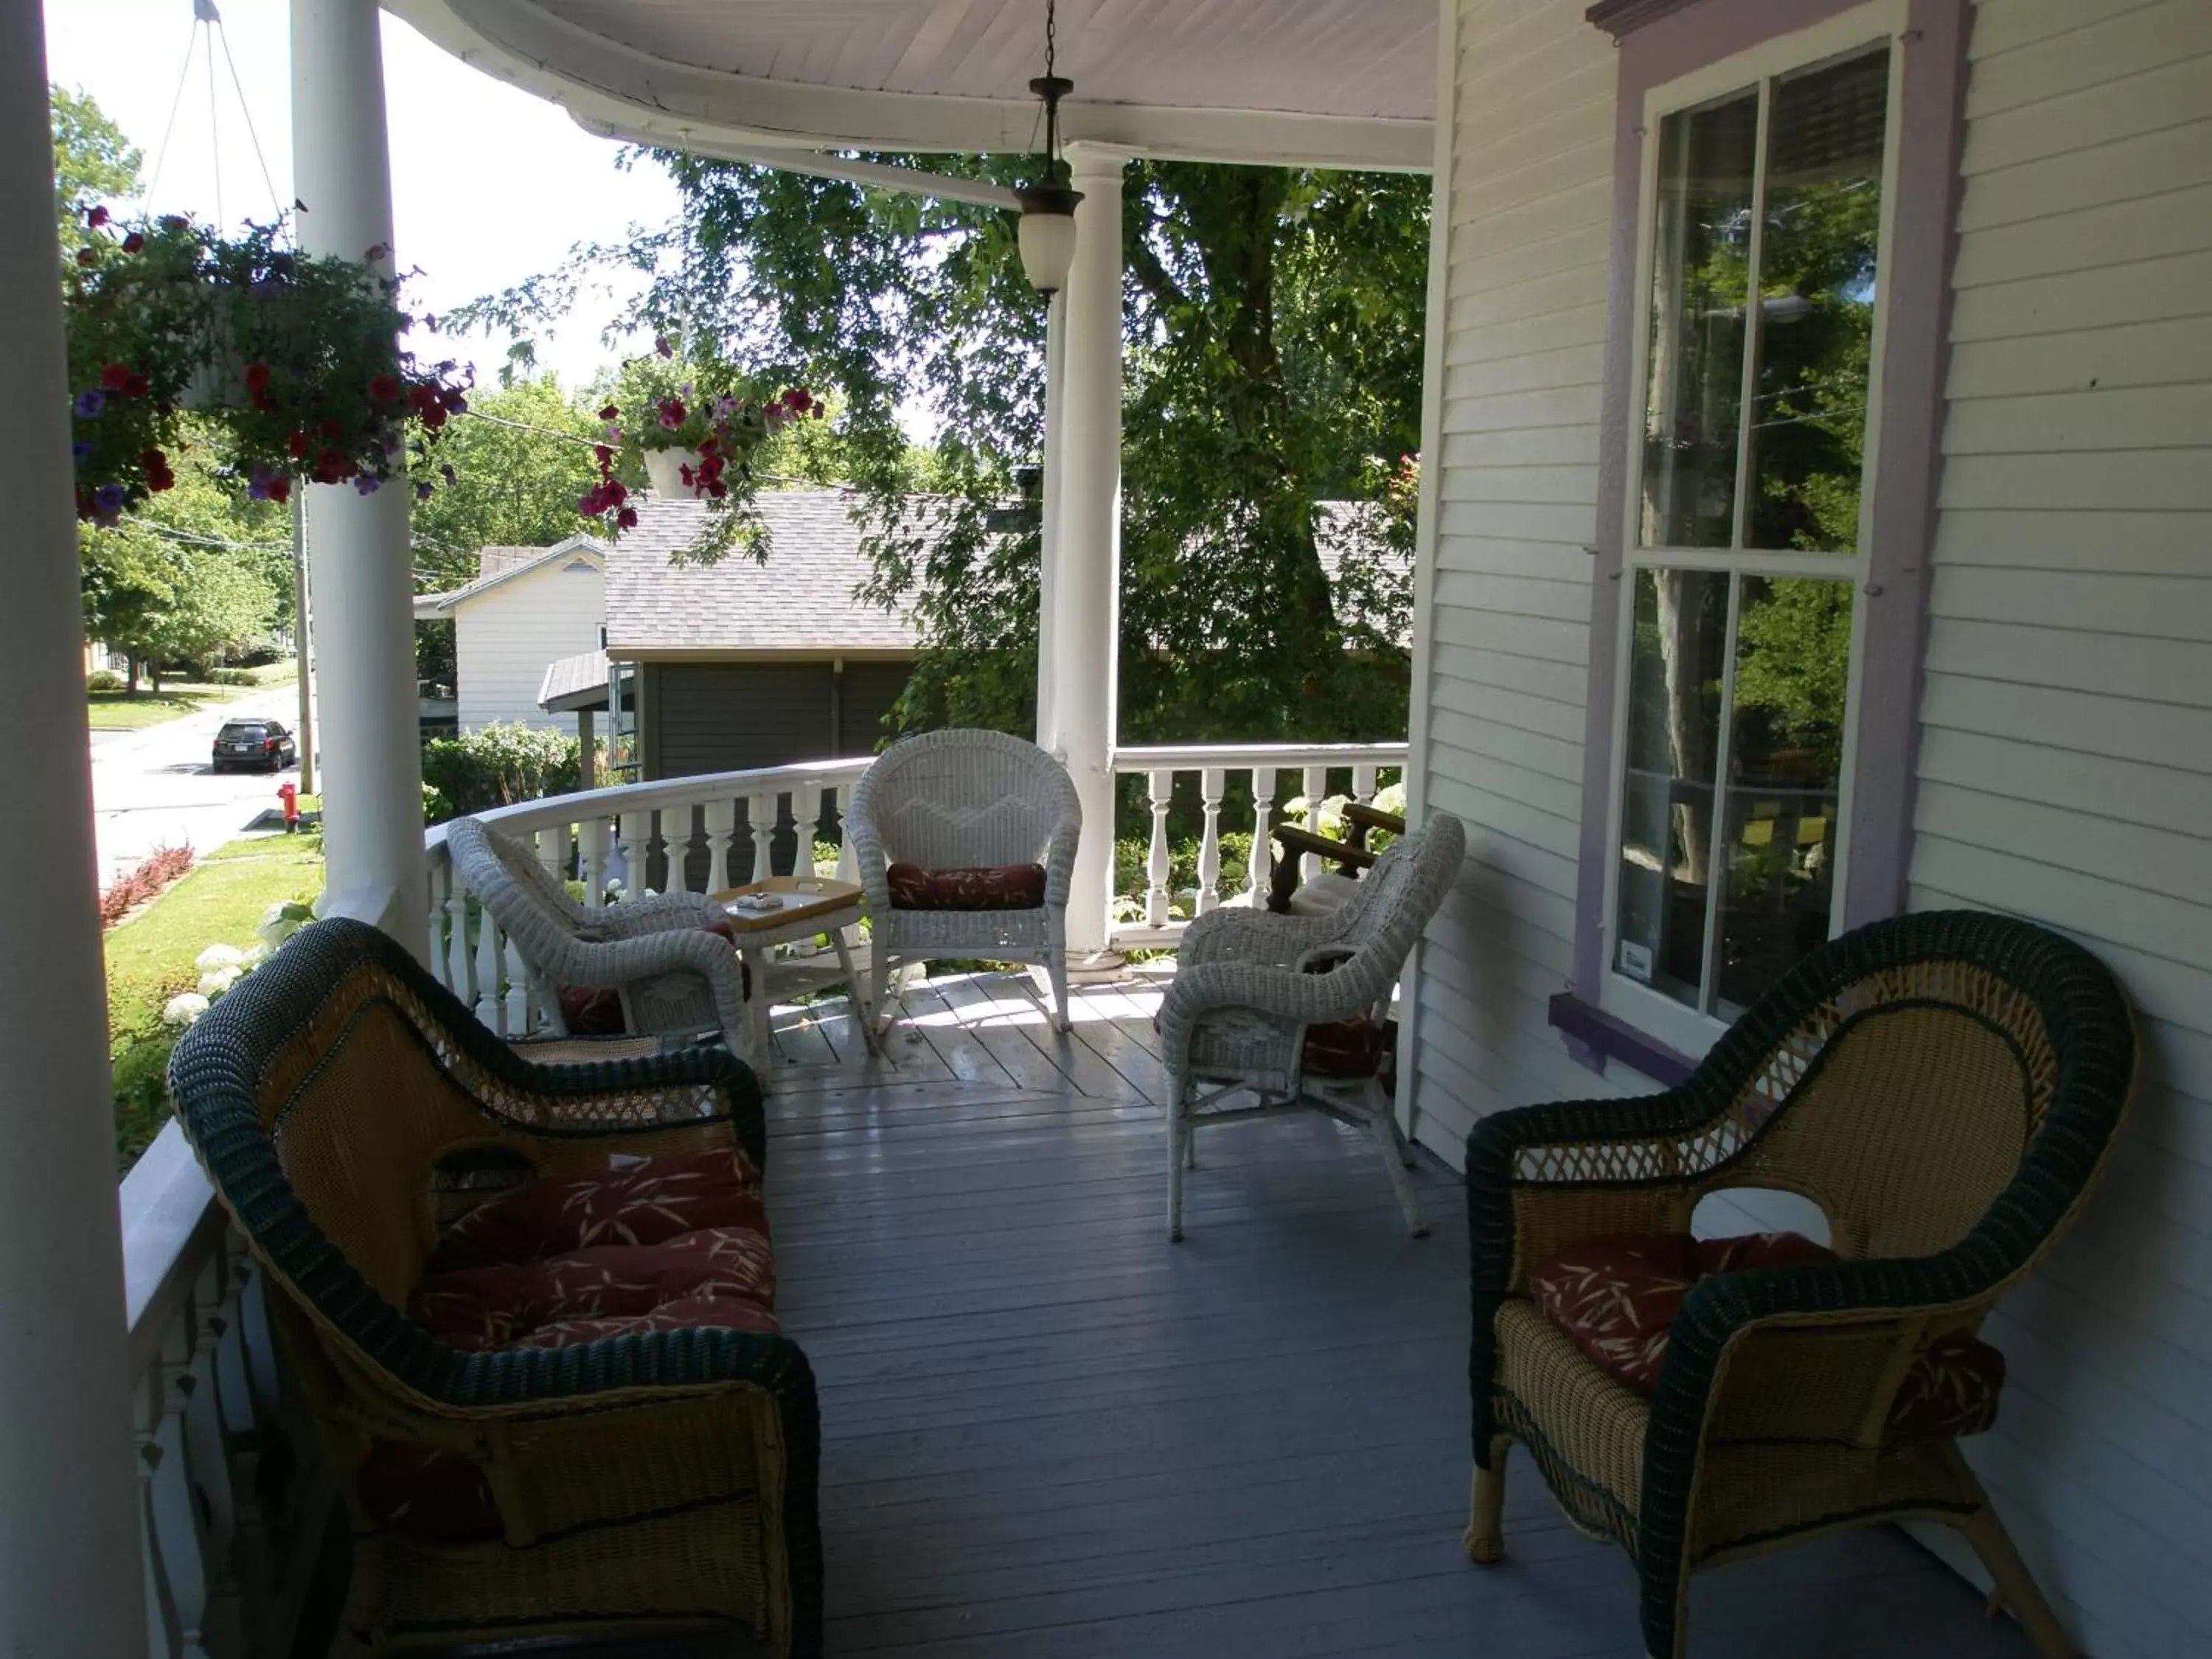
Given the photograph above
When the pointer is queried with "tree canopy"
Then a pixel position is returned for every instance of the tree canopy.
(1273, 324)
(94, 162)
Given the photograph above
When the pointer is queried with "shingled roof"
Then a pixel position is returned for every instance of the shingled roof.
(800, 600)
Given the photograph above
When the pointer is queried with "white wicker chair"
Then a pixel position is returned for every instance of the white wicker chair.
(1249, 987)
(966, 799)
(672, 975)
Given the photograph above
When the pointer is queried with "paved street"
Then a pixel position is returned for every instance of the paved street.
(154, 788)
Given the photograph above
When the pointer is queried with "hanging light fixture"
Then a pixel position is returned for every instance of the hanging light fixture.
(1047, 225)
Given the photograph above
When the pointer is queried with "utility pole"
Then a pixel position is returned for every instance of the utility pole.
(302, 643)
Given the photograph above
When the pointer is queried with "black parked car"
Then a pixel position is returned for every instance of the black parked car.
(261, 745)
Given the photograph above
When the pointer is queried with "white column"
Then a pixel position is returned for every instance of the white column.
(70, 1556)
(1055, 383)
(361, 567)
(1087, 522)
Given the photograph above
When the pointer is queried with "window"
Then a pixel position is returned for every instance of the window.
(1767, 188)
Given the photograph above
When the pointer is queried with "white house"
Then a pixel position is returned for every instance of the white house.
(528, 606)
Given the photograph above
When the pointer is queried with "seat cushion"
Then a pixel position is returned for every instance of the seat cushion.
(1001, 887)
(652, 1244)
(597, 1011)
(1345, 1047)
(1615, 1298)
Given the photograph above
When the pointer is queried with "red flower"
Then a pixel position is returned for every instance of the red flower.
(385, 389)
(260, 401)
(156, 467)
(257, 376)
(627, 519)
(297, 445)
(96, 217)
(661, 345)
(114, 378)
(133, 242)
(671, 413)
(85, 256)
(609, 412)
(329, 426)
(175, 222)
(604, 455)
(333, 464)
(279, 489)
(137, 385)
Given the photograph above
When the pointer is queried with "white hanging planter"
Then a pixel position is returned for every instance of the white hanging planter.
(664, 469)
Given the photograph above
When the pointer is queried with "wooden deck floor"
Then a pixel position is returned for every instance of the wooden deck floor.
(1048, 1432)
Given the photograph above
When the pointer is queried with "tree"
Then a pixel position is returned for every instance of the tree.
(521, 457)
(94, 162)
(1273, 321)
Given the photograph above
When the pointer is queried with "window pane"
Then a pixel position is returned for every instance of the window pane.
(1817, 283)
(1786, 756)
(1700, 274)
(1674, 736)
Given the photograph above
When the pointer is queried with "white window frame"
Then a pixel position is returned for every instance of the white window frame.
(1689, 1030)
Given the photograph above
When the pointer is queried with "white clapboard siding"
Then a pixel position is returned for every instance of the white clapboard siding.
(2065, 766)
(505, 637)
(1515, 500)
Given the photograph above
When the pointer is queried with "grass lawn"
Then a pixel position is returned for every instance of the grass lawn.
(119, 711)
(220, 900)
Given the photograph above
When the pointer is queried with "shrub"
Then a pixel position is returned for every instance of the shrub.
(163, 866)
(103, 679)
(231, 677)
(498, 765)
(140, 1069)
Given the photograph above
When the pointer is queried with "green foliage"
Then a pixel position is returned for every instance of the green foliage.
(1274, 322)
(498, 765)
(1793, 663)
(94, 162)
(233, 676)
(103, 679)
(514, 485)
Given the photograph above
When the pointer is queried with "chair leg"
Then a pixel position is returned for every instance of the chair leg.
(1179, 1138)
(1384, 1115)
(1485, 1528)
(880, 969)
(2016, 1588)
(1667, 1620)
(1055, 968)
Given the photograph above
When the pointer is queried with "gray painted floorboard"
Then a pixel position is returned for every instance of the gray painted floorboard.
(1050, 1434)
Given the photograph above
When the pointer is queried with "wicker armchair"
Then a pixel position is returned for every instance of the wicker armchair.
(1947, 1087)
(1294, 1010)
(965, 804)
(655, 952)
(345, 1104)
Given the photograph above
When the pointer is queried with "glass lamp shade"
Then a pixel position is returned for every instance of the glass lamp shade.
(1047, 236)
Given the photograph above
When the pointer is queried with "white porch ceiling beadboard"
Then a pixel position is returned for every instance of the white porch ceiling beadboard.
(1346, 82)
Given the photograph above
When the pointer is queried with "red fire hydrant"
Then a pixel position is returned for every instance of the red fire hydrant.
(288, 792)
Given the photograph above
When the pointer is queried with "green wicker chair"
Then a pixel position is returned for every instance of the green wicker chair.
(1947, 1087)
(643, 1482)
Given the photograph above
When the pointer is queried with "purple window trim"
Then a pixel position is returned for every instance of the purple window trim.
(1590, 1030)
(1669, 41)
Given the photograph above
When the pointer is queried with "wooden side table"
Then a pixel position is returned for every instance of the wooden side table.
(806, 905)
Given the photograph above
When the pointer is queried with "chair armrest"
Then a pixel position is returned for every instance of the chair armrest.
(656, 912)
(1239, 934)
(612, 964)
(1294, 840)
(1059, 861)
(1369, 817)
(584, 1109)
(1294, 998)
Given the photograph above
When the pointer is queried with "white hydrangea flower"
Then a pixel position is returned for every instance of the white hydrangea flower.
(216, 957)
(183, 1008)
(215, 983)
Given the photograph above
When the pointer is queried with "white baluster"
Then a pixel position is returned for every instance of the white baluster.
(1161, 787)
(1362, 784)
(553, 851)
(161, 1604)
(635, 830)
(207, 1451)
(592, 859)
(1263, 830)
(762, 814)
(1211, 783)
(848, 862)
(458, 979)
(518, 992)
(721, 836)
(441, 887)
(1316, 785)
(488, 960)
(174, 1513)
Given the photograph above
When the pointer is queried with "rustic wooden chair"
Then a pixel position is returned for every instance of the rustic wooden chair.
(1290, 892)
(1946, 1086)
(350, 1112)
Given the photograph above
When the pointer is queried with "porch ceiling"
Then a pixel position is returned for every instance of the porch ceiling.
(1315, 82)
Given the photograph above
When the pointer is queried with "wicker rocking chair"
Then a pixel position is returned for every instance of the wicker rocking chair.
(351, 1113)
(1281, 1012)
(1946, 1086)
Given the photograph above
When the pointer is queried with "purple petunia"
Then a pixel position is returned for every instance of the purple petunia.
(365, 482)
(81, 451)
(422, 492)
(89, 403)
(108, 498)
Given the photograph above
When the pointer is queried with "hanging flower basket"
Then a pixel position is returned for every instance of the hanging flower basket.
(292, 365)
(695, 430)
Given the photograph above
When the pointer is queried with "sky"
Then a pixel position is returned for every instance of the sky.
(489, 184)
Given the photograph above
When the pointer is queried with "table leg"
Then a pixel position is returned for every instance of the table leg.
(853, 993)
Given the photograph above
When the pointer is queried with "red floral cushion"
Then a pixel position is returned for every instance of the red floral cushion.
(597, 1011)
(1007, 887)
(657, 1244)
(1345, 1047)
(1616, 1297)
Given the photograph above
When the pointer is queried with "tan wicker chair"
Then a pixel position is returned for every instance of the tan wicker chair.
(643, 1482)
(1946, 1086)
